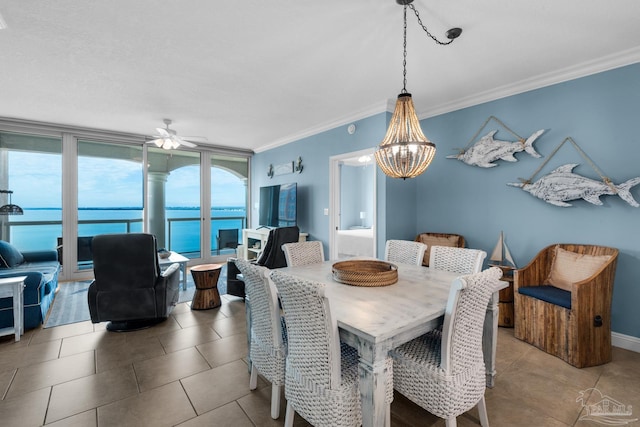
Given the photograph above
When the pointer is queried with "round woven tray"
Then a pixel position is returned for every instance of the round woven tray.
(365, 273)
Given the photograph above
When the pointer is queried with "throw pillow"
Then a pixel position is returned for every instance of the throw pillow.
(569, 267)
(436, 240)
(9, 255)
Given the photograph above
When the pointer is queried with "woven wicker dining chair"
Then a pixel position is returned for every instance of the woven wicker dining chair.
(268, 340)
(404, 252)
(303, 253)
(456, 260)
(444, 371)
(321, 380)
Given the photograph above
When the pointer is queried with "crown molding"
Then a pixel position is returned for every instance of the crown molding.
(584, 69)
(609, 62)
(359, 115)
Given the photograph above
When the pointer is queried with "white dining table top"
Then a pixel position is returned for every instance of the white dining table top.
(383, 312)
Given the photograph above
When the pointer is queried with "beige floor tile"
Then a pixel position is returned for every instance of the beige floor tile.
(91, 341)
(190, 318)
(539, 393)
(218, 386)
(231, 326)
(168, 325)
(507, 410)
(229, 415)
(187, 337)
(165, 369)
(17, 357)
(64, 331)
(90, 392)
(84, 419)
(233, 308)
(46, 374)
(257, 406)
(163, 406)
(27, 410)
(224, 350)
(5, 381)
(117, 354)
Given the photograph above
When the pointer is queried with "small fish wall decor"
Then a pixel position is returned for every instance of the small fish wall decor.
(562, 185)
(488, 150)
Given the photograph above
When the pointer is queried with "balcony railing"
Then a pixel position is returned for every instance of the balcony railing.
(183, 234)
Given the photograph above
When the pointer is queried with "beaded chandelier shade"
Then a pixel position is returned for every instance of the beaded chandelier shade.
(405, 152)
(10, 209)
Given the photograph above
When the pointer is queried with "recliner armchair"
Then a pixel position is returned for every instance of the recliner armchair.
(129, 289)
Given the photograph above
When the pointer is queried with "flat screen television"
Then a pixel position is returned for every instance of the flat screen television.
(278, 205)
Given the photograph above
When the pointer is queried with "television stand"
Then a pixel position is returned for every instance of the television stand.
(254, 240)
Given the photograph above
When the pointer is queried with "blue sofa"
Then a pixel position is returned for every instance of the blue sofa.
(41, 269)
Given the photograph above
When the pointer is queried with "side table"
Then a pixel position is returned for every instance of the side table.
(14, 287)
(505, 302)
(206, 295)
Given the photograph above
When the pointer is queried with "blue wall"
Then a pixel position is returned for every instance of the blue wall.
(600, 112)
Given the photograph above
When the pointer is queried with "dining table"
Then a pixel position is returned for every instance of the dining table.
(377, 319)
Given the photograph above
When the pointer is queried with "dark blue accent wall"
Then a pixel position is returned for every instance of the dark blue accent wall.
(600, 112)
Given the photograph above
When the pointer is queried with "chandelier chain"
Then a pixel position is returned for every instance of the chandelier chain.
(404, 58)
(423, 27)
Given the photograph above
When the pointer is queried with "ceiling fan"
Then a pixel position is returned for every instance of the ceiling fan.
(168, 138)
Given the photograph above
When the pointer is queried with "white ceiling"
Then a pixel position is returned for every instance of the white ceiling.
(255, 74)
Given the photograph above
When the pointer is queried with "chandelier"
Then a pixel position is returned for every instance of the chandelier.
(10, 209)
(405, 152)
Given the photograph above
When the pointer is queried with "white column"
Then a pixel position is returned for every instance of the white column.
(157, 218)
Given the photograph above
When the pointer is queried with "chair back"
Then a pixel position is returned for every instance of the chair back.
(404, 252)
(313, 342)
(266, 329)
(439, 239)
(272, 255)
(456, 260)
(227, 238)
(125, 261)
(303, 253)
(464, 320)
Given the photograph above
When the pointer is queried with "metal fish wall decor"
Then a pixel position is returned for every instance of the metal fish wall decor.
(488, 150)
(562, 185)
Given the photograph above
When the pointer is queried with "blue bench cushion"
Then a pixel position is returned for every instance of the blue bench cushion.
(549, 294)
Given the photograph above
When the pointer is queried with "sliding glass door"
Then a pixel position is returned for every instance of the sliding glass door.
(110, 193)
(31, 167)
(229, 176)
(174, 200)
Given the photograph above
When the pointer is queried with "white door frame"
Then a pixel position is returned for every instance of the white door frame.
(334, 198)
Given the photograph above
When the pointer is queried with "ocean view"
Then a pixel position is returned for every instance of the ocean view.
(182, 232)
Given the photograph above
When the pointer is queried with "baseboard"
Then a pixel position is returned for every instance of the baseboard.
(625, 341)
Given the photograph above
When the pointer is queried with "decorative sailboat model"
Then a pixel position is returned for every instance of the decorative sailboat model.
(501, 257)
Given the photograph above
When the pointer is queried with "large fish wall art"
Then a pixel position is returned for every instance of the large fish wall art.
(562, 185)
(487, 150)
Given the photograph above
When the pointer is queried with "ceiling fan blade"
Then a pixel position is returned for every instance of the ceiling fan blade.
(186, 143)
(163, 132)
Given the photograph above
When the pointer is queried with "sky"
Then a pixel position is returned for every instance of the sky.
(36, 181)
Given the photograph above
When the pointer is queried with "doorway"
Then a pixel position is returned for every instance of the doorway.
(352, 205)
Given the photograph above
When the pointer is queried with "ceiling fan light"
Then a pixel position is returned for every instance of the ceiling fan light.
(158, 142)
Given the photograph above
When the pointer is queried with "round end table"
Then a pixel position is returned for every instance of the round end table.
(205, 277)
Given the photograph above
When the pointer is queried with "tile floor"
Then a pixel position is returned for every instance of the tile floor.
(191, 371)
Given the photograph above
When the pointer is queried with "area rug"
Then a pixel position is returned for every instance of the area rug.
(70, 303)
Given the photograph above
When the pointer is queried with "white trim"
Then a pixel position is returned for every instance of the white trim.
(609, 62)
(362, 114)
(627, 342)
